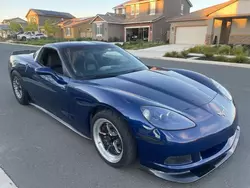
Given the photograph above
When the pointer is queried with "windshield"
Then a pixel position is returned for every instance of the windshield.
(101, 61)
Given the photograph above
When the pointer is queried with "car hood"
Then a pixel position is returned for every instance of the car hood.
(165, 87)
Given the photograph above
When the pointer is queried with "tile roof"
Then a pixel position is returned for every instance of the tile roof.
(112, 18)
(13, 19)
(52, 13)
(201, 14)
(121, 19)
(74, 22)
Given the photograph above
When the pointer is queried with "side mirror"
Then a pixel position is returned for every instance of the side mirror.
(50, 72)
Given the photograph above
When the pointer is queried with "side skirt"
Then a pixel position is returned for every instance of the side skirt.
(59, 120)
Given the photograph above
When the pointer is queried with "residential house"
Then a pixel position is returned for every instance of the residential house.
(225, 23)
(76, 28)
(40, 16)
(18, 20)
(4, 31)
(138, 20)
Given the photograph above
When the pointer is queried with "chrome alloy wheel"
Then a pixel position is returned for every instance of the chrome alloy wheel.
(108, 140)
(17, 87)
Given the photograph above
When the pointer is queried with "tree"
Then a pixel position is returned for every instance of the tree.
(31, 27)
(50, 27)
(15, 27)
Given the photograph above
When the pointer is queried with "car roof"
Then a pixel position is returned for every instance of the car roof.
(61, 45)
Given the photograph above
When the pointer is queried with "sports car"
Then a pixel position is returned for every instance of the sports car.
(179, 124)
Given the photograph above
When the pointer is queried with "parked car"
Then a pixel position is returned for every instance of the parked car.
(13, 35)
(179, 123)
(26, 36)
(39, 36)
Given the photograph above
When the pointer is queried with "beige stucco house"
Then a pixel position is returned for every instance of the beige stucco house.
(226, 23)
(40, 16)
(76, 28)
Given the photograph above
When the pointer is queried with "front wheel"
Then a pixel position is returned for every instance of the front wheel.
(113, 139)
(19, 92)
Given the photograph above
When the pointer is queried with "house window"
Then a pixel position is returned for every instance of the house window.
(182, 9)
(99, 29)
(132, 9)
(137, 8)
(116, 11)
(152, 7)
(68, 31)
(123, 11)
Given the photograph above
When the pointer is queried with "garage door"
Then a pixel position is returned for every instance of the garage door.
(191, 35)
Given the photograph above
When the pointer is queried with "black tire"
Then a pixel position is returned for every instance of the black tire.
(24, 98)
(23, 38)
(129, 143)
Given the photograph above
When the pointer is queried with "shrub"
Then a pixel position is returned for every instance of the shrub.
(174, 54)
(208, 52)
(221, 58)
(224, 50)
(196, 49)
(240, 59)
(238, 50)
(185, 53)
(118, 44)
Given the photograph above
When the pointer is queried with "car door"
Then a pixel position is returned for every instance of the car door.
(44, 88)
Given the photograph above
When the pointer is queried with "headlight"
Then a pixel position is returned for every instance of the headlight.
(166, 119)
(223, 90)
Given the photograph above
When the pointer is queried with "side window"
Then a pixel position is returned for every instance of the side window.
(50, 58)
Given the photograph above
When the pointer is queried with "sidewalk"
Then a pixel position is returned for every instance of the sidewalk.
(159, 51)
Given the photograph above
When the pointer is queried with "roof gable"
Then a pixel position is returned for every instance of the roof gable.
(17, 19)
(97, 18)
(51, 13)
(75, 22)
(121, 19)
(203, 13)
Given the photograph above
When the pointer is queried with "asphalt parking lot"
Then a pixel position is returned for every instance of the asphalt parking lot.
(38, 152)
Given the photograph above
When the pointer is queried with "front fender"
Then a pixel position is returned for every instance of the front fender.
(87, 98)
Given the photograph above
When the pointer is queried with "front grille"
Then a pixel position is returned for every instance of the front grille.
(212, 151)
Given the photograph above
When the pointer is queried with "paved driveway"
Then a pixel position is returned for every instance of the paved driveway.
(159, 51)
(38, 152)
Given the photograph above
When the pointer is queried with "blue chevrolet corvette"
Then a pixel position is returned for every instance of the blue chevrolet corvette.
(180, 124)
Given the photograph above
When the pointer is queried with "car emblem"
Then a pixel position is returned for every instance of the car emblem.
(222, 113)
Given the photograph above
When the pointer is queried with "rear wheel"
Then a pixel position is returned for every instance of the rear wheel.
(19, 92)
(113, 139)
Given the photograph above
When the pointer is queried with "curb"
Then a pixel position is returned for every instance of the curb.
(238, 65)
(16, 44)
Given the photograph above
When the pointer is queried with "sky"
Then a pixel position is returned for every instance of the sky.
(78, 8)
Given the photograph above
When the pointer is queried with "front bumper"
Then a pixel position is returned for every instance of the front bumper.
(200, 169)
